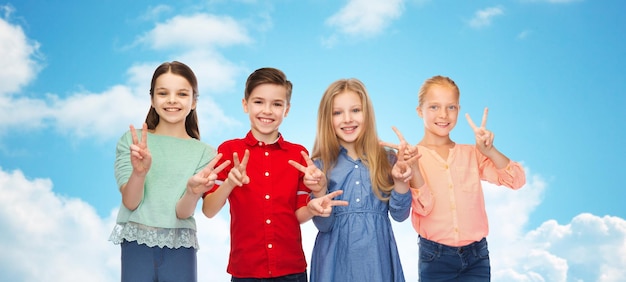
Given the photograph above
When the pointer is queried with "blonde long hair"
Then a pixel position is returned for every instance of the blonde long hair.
(326, 147)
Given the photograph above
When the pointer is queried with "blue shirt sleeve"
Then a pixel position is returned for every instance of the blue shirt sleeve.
(400, 205)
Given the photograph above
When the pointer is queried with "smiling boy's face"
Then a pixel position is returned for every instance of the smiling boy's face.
(266, 106)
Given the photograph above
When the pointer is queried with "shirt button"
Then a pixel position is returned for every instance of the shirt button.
(267, 173)
(357, 183)
(358, 200)
(268, 221)
(267, 197)
(267, 154)
(260, 143)
(269, 246)
(356, 166)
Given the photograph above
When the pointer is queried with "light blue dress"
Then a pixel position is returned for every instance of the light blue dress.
(356, 242)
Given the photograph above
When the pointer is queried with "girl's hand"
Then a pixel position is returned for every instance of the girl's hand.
(323, 206)
(401, 170)
(484, 137)
(204, 180)
(410, 151)
(140, 157)
(314, 178)
(238, 173)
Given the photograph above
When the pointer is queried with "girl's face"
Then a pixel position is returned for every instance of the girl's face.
(347, 112)
(266, 106)
(173, 98)
(439, 110)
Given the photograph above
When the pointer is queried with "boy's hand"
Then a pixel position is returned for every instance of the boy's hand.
(323, 206)
(238, 173)
(313, 178)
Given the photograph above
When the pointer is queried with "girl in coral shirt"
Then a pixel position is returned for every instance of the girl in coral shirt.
(448, 207)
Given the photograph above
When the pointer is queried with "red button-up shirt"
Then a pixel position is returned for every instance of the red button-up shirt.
(265, 234)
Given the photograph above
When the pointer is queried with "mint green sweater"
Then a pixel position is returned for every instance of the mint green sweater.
(174, 161)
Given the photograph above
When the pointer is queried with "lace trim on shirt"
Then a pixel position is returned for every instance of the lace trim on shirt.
(152, 236)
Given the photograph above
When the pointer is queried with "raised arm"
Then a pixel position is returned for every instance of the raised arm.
(141, 160)
(484, 142)
(237, 176)
(314, 178)
(408, 163)
(197, 185)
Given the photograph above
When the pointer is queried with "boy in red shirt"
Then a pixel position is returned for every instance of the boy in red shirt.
(267, 195)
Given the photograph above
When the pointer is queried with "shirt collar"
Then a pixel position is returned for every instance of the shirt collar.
(251, 141)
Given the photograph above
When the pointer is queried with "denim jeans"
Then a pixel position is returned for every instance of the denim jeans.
(297, 277)
(438, 262)
(141, 263)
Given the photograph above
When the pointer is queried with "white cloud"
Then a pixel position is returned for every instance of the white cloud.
(366, 17)
(20, 56)
(155, 12)
(484, 17)
(524, 34)
(105, 115)
(196, 31)
(46, 235)
(101, 115)
(23, 114)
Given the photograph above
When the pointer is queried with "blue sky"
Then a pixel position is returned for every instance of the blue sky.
(552, 72)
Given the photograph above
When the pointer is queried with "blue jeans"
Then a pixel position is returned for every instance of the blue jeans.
(438, 262)
(298, 277)
(141, 263)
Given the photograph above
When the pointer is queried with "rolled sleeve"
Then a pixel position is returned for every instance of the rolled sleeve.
(400, 205)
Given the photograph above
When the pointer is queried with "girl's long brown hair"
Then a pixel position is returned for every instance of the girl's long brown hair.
(178, 68)
(326, 147)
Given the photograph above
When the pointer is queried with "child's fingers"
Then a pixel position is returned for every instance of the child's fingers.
(221, 167)
(483, 124)
(144, 134)
(235, 160)
(246, 157)
(133, 133)
(307, 159)
(471, 122)
(334, 194)
(297, 165)
(389, 145)
(398, 133)
(235, 176)
(215, 159)
(335, 203)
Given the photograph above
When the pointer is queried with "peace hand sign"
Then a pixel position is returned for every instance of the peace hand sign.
(401, 170)
(204, 180)
(314, 178)
(484, 137)
(409, 151)
(140, 157)
(323, 206)
(238, 173)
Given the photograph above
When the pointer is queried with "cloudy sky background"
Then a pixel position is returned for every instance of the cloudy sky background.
(552, 72)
